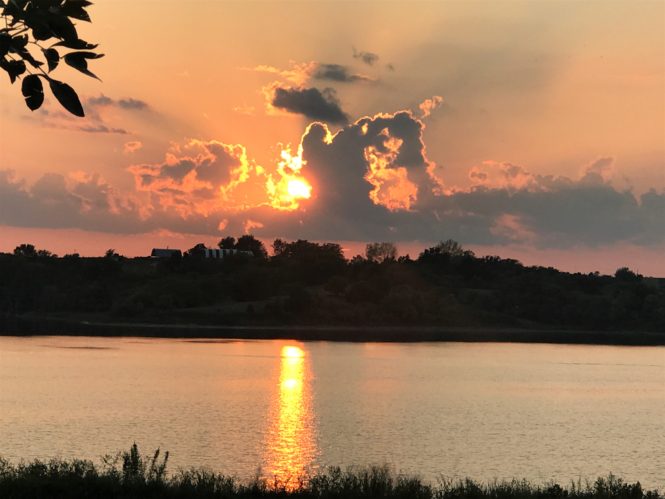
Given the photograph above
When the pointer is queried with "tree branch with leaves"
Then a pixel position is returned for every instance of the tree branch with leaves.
(35, 36)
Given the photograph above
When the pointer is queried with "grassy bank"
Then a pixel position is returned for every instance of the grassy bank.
(128, 475)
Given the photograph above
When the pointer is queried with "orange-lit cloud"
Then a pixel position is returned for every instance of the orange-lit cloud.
(193, 179)
(502, 175)
(391, 186)
(207, 178)
(515, 228)
(251, 225)
(132, 146)
(298, 73)
(428, 105)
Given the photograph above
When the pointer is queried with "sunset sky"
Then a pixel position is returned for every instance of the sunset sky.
(531, 130)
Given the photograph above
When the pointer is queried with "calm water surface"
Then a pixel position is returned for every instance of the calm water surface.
(481, 410)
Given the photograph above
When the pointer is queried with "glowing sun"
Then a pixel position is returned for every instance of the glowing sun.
(298, 188)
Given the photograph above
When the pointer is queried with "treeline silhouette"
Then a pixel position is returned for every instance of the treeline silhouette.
(130, 475)
(310, 283)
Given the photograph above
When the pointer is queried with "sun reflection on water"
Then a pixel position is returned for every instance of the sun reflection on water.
(291, 447)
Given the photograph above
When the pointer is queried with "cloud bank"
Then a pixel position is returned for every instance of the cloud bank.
(371, 180)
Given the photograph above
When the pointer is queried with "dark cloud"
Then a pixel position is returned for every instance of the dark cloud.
(312, 103)
(55, 201)
(129, 103)
(92, 123)
(95, 120)
(89, 203)
(102, 100)
(546, 211)
(369, 58)
(337, 73)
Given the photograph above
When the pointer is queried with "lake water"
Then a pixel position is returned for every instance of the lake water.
(482, 410)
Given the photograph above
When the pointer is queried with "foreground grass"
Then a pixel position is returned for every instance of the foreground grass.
(128, 475)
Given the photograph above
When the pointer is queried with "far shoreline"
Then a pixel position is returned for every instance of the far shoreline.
(23, 326)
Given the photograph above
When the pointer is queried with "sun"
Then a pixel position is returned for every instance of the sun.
(288, 187)
(298, 188)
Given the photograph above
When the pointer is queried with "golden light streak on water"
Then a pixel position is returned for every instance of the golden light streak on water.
(291, 447)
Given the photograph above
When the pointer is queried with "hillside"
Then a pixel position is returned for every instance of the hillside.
(310, 284)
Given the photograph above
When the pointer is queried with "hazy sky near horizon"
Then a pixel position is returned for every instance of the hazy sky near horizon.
(532, 125)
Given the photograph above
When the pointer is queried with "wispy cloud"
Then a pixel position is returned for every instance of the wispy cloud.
(132, 146)
(127, 103)
(369, 58)
(338, 73)
(302, 73)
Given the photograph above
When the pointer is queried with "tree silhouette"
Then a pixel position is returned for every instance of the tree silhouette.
(46, 27)
(445, 250)
(312, 283)
(626, 275)
(227, 242)
(29, 250)
(380, 252)
(111, 254)
(25, 250)
(249, 243)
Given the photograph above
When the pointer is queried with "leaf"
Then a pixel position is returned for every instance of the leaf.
(77, 44)
(80, 14)
(42, 32)
(78, 60)
(76, 9)
(27, 56)
(5, 42)
(14, 68)
(13, 8)
(33, 91)
(67, 97)
(62, 27)
(36, 18)
(18, 43)
(78, 3)
(52, 58)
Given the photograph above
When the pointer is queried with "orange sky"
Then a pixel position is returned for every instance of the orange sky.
(541, 104)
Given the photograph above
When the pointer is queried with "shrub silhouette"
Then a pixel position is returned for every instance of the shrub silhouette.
(129, 475)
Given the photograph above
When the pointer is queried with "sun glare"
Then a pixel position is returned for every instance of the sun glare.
(291, 445)
(298, 188)
(292, 352)
(291, 187)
